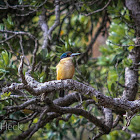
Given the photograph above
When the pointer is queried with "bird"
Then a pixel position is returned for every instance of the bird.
(65, 68)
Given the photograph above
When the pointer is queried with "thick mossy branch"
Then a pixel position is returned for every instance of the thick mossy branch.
(35, 88)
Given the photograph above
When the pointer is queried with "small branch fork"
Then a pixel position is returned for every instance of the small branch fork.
(47, 33)
(17, 33)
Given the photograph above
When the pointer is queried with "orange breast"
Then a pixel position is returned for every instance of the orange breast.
(65, 69)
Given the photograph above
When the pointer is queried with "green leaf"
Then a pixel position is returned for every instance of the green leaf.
(20, 1)
(5, 95)
(135, 124)
(1, 26)
(113, 87)
(2, 77)
(86, 38)
(127, 62)
(94, 98)
(1, 64)
(35, 120)
(130, 48)
(5, 57)
(9, 19)
(9, 94)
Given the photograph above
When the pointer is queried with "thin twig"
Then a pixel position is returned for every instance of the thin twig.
(22, 49)
(18, 33)
(99, 10)
(34, 55)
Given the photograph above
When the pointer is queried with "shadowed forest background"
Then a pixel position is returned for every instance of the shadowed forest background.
(102, 101)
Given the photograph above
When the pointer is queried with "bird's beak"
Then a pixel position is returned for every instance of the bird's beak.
(74, 54)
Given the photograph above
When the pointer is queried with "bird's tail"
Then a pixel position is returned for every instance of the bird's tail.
(61, 94)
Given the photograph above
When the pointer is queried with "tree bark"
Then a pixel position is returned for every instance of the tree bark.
(131, 73)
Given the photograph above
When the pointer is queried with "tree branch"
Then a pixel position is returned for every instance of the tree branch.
(99, 10)
(18, 33)
(44, 27)
(57, 18)
(117, 104)
(131, 73)
(20, 71)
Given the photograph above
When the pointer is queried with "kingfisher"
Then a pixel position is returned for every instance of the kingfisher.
(65, 68)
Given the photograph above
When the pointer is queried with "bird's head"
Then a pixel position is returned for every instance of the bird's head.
(68, 54)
